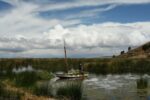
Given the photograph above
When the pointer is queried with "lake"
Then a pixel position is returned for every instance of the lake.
(114, 87)
(105, 87)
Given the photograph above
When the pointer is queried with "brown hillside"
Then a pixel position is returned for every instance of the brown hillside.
(139, 52)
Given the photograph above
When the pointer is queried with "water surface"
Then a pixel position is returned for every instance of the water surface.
(115, 87)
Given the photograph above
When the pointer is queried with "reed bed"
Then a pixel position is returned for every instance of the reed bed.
(142, 83)
(43, 89)
(120, 66)
(71, 91)
(93, 65)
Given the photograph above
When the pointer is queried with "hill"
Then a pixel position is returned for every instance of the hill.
(142, 51)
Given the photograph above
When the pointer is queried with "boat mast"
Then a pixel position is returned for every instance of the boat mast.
(66, 63)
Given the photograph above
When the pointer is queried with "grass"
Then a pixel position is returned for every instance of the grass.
(1, 88)
(43, 89)
(142, 83)
(93, 65)
(120, 66)
(71, 91)
(25, 79)
(7, 94)
(51, 65)
(29, 78)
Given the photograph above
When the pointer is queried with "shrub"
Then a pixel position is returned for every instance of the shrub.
(44, 75)
(122, 52)
(146, 46)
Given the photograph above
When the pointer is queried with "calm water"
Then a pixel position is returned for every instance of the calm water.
(115, 87)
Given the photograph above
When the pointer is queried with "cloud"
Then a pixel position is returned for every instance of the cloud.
(90, 12)
(82, 3)
(102, 39)
(24, 33)
(103, 35)
(24, 17)
(23, 20)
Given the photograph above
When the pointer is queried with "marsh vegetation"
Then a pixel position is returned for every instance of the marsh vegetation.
(33, 75)
(71, 91)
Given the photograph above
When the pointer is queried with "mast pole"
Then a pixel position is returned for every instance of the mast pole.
(65, 55)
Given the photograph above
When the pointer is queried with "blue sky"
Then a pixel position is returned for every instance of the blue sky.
(122, 14)
(128, 13)
(92, 28)
(5, 6)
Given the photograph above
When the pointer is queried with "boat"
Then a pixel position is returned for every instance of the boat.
(72, 74)
(75, 74)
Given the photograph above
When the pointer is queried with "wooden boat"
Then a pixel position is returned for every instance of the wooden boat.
(67, 76)
(75, 74)
(71, 73)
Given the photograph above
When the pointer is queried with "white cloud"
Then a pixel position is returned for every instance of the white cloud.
(97, 39)
(103, 35)
(23, 33)
(23, 20)
(90, 12)
(83, 3)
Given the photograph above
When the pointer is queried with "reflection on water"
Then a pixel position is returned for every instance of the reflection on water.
(115, 87)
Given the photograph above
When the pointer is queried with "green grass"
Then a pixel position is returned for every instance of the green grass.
(29, 78)
(51, 65)
(25, 79)
(1, 88)
(142, 83)
(43, 89)
(71, 91)
(120, 66)
(93, 65)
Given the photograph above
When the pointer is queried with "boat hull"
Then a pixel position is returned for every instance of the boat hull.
(72, 76)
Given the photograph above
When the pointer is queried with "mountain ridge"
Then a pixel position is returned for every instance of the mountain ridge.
(142, 51)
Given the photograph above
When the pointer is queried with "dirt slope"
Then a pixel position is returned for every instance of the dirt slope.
(142, 51)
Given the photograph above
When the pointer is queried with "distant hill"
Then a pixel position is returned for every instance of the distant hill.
(139, 52)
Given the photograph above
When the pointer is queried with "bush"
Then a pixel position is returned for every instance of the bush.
(146, 46)
(44, 75)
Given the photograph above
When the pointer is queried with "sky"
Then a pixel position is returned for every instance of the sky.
(91, 28)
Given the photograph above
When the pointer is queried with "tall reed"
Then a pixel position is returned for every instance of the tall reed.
(71, 91)
(43, 89)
